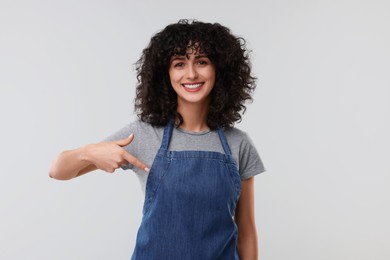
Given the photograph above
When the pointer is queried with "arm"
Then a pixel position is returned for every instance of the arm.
(245, 219)
(106, 156)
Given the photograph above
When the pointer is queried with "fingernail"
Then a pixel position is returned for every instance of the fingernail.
(147, 169)
(130, 135)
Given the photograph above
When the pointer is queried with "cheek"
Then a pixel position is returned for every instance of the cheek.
(174, 76)
(211, 71)
(211, 75)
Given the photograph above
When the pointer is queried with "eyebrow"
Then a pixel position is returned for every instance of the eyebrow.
(177, 57)
(183, 57)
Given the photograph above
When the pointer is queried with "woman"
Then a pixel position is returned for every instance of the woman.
(195, 168)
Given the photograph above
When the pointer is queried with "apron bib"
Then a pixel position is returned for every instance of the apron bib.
(190, 200)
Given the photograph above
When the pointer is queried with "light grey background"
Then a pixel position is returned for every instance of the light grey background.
(320, 121)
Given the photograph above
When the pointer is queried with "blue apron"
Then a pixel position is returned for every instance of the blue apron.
(189, 205)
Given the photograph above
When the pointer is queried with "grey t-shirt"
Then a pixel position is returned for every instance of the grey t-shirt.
(147, 141)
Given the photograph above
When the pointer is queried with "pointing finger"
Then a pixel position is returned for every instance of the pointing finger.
(134, 161)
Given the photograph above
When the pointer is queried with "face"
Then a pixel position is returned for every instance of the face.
(192, 77)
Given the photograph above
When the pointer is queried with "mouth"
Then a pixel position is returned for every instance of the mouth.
(192, 86)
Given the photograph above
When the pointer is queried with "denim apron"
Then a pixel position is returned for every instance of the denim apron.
(189, 206)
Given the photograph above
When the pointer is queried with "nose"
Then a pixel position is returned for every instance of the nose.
(192, 72)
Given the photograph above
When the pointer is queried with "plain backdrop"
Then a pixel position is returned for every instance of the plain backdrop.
(320, 120)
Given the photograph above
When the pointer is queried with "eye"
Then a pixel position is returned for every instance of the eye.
(203, 61)
(178, 64)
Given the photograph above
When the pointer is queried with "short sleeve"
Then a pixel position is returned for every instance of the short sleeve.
(250, 161)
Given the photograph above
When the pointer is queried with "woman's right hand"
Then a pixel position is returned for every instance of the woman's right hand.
(109, 156)
(106, 156)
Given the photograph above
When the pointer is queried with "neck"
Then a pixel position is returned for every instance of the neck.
(194, 116)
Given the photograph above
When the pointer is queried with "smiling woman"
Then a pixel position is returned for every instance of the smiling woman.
(234, 83)
(193, 81)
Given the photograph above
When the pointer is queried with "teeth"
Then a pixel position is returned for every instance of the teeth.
(192, 85)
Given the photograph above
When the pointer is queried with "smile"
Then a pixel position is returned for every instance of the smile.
(193, 86)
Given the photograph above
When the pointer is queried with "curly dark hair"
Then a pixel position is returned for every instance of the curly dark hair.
(156, 100)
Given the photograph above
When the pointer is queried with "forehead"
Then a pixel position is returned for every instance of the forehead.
(188, 56)
(190, 51)
(193, 47)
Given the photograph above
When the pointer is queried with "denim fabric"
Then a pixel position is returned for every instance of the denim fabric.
(189, 205)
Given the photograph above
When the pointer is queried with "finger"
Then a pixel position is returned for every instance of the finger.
(125, 141)
(111, 170)
(123, 163)
(134, 161)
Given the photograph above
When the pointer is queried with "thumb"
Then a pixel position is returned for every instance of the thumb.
(125, 141)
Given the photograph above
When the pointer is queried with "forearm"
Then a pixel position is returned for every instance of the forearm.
(69, 164)
(245, 219)
(247, 245)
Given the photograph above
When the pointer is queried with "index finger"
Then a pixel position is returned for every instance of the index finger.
(135, 161)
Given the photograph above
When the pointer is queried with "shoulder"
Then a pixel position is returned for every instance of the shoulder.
(147, 130)
(136, 127)
(238, 137)
(243, 148)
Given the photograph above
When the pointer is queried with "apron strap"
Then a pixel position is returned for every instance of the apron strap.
(167, 135)
(224, 142)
